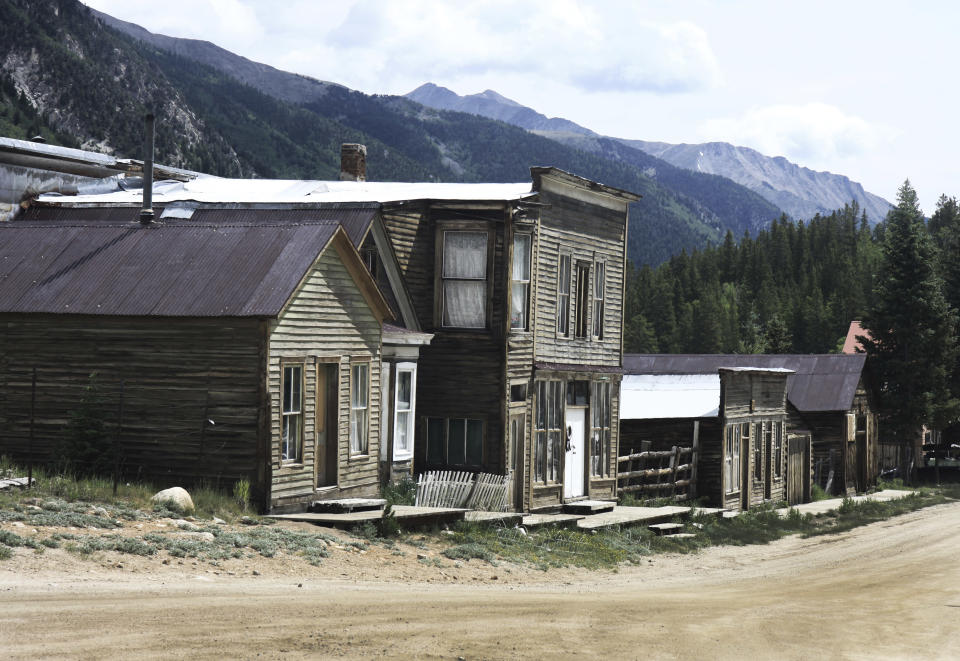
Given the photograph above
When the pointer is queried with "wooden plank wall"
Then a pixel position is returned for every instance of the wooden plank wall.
(177, 373)
(327, 319)
(588, 232)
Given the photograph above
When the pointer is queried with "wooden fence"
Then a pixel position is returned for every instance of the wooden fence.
(658, 474)
(476, 491)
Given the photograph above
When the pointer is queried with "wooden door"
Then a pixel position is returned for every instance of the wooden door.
(798, 469)
(327, 427)
(575, 458)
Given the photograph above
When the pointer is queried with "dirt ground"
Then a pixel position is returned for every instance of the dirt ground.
(890, 590)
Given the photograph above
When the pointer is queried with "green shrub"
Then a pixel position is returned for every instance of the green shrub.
(401, 492)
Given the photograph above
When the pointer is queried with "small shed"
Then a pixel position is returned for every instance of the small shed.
(732, 423)
(227, 348)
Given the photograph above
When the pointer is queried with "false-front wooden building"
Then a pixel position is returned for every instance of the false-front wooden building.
(733, 421)
(828, 396)
(224, 345)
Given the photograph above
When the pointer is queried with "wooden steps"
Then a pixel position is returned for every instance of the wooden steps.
(589, 507)
(666, 528)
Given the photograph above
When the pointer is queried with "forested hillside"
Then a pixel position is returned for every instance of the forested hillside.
(67, 75)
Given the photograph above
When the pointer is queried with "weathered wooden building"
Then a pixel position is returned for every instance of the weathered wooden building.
(522, 288)
(828, 395)
(248, 346)
(733, 421)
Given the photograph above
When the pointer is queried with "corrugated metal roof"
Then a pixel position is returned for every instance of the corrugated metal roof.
(356, 219)
(650, 396)
(822, 382)
(181, 268)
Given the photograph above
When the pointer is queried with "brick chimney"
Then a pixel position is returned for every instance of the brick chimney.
(353, 162)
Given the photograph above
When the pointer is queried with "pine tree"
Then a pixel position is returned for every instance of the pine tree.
(912, 345)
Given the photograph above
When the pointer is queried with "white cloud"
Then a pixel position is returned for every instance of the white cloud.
(812, 133)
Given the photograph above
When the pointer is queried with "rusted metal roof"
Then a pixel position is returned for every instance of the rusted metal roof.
(355, 218)
(177, 269)
(821, 382)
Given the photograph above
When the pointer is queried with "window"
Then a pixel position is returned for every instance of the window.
(731, 459)
(599, 290)
(403, 412)
(768, 441)
(563, 297)
(370, 260)
(455, 442)
(577, 393)
(600, 429)
(518, 392)
(520, 283)
(464, 273)
(758, 454)
(359, 396)
(548, 446)
(291, 435)
(778, 450)
(583, 292)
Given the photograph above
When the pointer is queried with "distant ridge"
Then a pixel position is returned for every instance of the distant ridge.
(798, 191)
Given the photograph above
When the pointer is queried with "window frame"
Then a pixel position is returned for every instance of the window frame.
(581, 306)
(478, 227)
(411, 369)
(599, 298)
(564, 297)
(601, 401)
(549, 418)
(526, 284)
(731, 460)
(447, 424)
(297, 458)
(360, 447)
(778, 450)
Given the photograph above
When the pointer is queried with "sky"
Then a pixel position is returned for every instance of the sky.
(863, 89)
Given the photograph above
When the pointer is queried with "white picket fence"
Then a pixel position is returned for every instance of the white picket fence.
(476, 491)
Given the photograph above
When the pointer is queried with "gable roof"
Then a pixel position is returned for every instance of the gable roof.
(175, 268)
(821, 382)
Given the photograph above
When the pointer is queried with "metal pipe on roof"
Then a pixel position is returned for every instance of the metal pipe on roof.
(146, 212)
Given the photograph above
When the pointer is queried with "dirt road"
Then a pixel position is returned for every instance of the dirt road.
(886, 591)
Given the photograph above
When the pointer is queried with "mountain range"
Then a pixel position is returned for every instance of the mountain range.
(800, 192)
(84, 79)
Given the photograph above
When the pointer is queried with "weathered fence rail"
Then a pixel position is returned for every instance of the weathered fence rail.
(478, 491)
(658, 474)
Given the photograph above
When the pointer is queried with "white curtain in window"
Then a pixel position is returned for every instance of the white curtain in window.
(465, 255)
(521, 257)
(464, 303)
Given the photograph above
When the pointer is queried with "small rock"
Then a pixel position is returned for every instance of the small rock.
(246, 520)
(494, 578)
(139, 526)
(99, 511)
(218, 521)
(166, 561)
(119, 565)
(176, 498)
(183, 524)
(299, 585)
(204, 536)
(255, 572)
(421, 556)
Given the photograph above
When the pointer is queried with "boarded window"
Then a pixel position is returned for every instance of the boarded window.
(583, 297)
(291, 435)
(520, 283)
(549, 420)
(599, 295)
(563, 296)
(464, 279)
(359, 398)
(600, 429)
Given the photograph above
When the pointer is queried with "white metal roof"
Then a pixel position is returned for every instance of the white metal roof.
(210, 189)
(647, 396)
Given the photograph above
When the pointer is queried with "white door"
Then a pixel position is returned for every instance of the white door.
(574, 461)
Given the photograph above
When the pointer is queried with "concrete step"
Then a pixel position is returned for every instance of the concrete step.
(340, 505)
(666, 528)
(589, 507)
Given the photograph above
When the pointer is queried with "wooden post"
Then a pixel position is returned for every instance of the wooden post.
(674, 462)
(692, 489)
(116, 443)
(33, 406)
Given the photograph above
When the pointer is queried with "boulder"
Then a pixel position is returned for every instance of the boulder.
(175, 498)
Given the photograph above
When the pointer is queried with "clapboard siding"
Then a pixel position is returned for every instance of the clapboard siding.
(327, 320)
(588, 233)
(177, 375)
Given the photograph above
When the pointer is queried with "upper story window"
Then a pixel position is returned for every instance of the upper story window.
(464, 279)
(583, 298)
(520, 283)
(563, 296)
(599, 291)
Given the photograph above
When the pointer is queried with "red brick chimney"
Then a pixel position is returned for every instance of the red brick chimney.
(353, 162)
